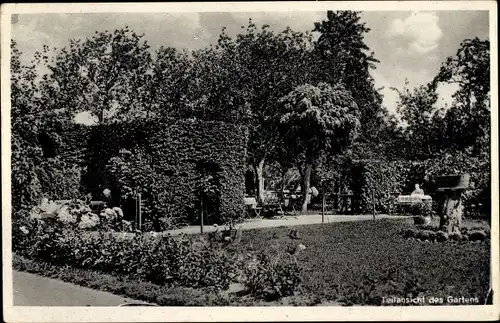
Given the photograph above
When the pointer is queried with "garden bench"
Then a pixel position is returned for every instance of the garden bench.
(252, 206)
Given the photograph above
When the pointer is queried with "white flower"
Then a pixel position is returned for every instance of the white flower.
(24, 230)
(87, 222)
(65, 216)
(106, 192)
(118, 211)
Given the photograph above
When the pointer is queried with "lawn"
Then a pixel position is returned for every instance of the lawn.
(361, 262)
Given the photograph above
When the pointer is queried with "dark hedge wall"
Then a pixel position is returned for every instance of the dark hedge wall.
(400, 176)
(169, 160)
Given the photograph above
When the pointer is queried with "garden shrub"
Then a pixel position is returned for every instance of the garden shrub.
(163, 260)
(384, 178)
(78, 214)
(399, 176)
(271, 278)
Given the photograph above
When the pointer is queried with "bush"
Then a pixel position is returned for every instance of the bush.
(477, 236)
(441, 236)
(78, 214)
(271, 279)
(162, 260)
(387, 177)
(59, 180)
(455, 236)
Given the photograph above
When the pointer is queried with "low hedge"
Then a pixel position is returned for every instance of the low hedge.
(164, 260)
(123, 286)
(385, 177)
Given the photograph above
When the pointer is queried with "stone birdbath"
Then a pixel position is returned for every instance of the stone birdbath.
(451, 187)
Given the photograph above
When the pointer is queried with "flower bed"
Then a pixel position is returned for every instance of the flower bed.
(63, 239)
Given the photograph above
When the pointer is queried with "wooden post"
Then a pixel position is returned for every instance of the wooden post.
(323, 210)
(136, 211)
(373, 203)
(139, 211)
(201, 216)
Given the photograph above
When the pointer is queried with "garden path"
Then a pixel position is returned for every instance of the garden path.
(285, 222)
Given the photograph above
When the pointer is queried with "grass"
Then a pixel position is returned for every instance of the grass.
(361, 262)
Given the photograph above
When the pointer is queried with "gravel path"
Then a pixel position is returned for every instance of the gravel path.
(286, 222)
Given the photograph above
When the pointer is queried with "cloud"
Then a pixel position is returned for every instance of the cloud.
(419, 33)
(279, 20)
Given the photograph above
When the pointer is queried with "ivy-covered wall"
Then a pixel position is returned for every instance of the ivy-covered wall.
(400, 176)
(175, 164)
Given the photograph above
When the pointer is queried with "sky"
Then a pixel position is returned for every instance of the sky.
(409, 45)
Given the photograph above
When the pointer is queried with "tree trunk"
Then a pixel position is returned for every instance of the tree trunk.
(259, 179)
(306, 184)
(451, 215)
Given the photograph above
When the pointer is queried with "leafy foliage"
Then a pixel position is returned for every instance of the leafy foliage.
(25, 122)
(342, 56)
(270, 278)
(105, 75)
(172, 154)
(161, 260)
(314, 121)
(59, 180)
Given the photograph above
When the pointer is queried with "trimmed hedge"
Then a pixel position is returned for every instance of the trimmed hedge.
(175, 164)
(169, 161)
(400, 176)
(59, 180)
(384, 178)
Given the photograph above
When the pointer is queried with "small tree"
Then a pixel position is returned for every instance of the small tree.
(316, 120)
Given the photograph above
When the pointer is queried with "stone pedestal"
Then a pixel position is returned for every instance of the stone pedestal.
(451, 215)
(452, 187)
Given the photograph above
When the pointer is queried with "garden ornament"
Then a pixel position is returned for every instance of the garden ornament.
(107, 192)
(418, 190)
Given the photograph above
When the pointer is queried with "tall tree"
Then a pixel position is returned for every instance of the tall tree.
(105, 75)
(25, 113)
(419, 113)
(169, 84)
(468, 120)
(315, 120)
(241, 80)
(345, 58)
